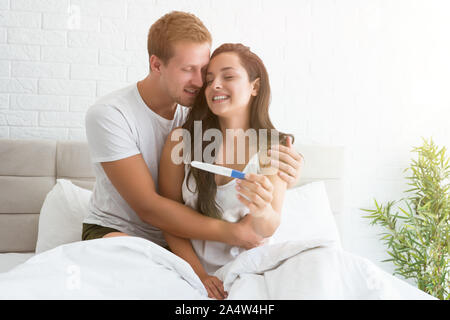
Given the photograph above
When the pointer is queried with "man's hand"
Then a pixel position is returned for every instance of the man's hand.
(244, 234)
(133, 180)
(289, 163)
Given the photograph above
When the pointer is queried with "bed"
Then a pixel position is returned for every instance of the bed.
(31, 170)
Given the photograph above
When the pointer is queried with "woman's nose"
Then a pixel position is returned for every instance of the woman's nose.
(217, 84)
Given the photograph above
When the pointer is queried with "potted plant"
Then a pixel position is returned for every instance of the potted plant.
(418, 235)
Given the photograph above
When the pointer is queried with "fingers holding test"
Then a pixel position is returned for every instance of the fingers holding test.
(260, 179)
(253, 198)
(263, 192)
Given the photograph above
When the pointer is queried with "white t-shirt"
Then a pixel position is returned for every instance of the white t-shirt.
(118, 126)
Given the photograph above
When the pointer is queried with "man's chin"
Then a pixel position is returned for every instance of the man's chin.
(186, 102)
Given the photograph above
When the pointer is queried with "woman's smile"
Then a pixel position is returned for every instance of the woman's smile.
(228, 88)
(220, 98)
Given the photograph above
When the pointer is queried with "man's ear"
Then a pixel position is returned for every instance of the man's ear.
(155, 64)
(256, 85)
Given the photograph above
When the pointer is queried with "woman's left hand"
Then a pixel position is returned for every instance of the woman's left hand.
(289, 162)
(258, 192)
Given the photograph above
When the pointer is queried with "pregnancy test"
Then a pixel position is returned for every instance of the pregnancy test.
(223, 171)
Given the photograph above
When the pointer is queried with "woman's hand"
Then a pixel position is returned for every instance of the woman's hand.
(263, 195)
(214, 287)
(258, 192)
(289, 162)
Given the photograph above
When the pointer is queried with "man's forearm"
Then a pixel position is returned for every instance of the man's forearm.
(182, 221)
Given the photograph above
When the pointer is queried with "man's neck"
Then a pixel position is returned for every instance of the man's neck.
(152, 95)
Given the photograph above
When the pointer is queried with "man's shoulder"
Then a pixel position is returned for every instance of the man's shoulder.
(115, 102)
(117, 96)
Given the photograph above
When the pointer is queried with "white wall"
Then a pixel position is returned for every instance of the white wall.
(373, 76)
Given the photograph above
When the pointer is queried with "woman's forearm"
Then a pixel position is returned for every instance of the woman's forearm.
(183, 248)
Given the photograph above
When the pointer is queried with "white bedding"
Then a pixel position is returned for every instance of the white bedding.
(134, 268)
(11, 259)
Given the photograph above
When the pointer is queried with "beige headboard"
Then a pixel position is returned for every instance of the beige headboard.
(29, 169)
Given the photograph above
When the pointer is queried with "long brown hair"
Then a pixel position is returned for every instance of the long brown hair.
(259, 119)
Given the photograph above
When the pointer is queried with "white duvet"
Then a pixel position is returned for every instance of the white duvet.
(134, 268)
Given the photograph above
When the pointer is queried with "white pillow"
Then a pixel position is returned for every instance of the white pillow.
(307, 215)
(62, 214)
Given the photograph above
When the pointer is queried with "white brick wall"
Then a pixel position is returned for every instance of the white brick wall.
(373, 76)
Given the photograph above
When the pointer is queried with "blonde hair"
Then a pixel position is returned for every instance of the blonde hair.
(172, 27)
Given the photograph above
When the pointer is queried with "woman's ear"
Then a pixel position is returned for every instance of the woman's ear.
(155, 64)
(256, 84)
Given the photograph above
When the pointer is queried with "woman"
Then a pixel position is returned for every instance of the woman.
(235, 96)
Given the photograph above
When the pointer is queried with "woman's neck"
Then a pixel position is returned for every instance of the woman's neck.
(235, 124)
(239, 143)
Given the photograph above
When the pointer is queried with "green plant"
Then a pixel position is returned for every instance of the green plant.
(418, 238)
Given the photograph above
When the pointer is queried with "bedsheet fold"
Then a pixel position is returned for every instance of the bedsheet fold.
(135, 268)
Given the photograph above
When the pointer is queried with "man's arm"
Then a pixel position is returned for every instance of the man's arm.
(132, 179)
(112, 144)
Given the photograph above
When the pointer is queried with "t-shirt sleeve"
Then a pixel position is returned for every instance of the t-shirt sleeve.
(109, 134)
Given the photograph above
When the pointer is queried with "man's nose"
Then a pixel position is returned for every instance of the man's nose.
(197, 79)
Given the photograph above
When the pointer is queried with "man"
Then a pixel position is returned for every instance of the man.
(126, 131)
